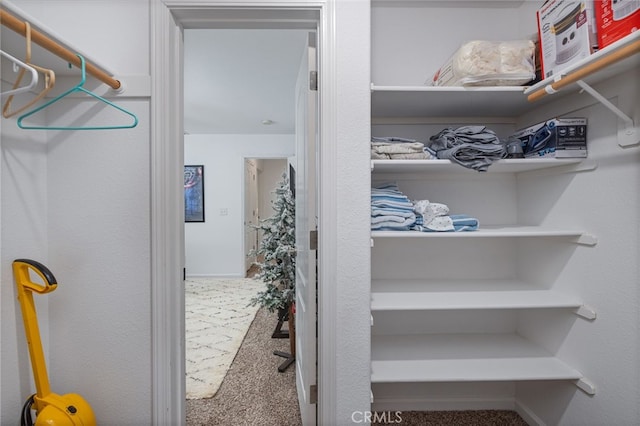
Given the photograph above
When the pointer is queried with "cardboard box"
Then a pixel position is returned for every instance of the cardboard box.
(558, 137)
(616, 19)
(567, 34)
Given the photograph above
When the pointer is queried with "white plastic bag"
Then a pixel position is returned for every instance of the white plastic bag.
(489, 63)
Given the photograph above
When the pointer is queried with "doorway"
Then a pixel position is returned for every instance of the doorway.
(167, 195)
(260, 180)
(239, 111)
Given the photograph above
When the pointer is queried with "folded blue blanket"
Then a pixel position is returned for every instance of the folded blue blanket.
(391, 210)
(454, 223)
(389, 197)
(384, 227)
(409, 220)
(392, 204)
(463, 222)
(381, 211)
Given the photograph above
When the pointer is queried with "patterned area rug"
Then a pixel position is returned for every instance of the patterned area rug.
(216, 320)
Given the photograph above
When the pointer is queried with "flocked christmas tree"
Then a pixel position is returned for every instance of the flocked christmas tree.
(278, 252)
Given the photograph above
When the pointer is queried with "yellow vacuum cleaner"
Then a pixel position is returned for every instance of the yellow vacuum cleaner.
(51, 409)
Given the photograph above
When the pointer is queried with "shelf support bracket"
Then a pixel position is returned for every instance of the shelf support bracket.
(586, 312)
(586, 240)
(627, 136)
(586, 386)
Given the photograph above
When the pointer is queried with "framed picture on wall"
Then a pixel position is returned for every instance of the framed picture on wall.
(194, 193)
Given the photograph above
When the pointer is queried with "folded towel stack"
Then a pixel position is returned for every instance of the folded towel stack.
(388, 148)
(434, 217)
(391, 210)
(474, 147)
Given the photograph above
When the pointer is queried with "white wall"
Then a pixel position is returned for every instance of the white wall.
(419, 39)
(24, 235)
(90, 225)
(79, 203)
(352, 204)
(215, 247)
(606, 350)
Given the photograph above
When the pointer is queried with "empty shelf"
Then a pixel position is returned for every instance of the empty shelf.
(463, 358)
(394, 295)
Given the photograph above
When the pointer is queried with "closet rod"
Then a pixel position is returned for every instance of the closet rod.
(605, 61)
(37, 37)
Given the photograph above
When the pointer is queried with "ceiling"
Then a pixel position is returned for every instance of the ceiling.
(234, 79)
(237, 79)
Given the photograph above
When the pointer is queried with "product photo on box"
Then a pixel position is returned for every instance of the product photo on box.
(566, 31)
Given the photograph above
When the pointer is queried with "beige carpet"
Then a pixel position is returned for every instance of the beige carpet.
(454, 418)
(217, 317)
(253, 392)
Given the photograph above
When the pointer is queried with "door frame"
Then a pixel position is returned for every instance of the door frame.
(244, 195)
(167, 19)
(247, 260)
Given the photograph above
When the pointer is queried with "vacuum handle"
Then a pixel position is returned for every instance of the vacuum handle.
(21, 271)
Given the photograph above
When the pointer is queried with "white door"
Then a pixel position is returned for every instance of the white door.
(250, 211)
(306, 222)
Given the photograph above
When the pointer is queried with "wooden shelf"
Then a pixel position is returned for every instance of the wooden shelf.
(500, 166)
(407, 295)
(463, 358)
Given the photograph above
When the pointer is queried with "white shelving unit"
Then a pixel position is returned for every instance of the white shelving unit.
(460, 357)
(505, 317)
(492, 232)
(500, 166)
(409, 295)
(473, 357)
(432, 101)
(464, 358)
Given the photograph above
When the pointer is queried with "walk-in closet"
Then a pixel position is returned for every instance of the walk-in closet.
(76, 197)
(537, 310)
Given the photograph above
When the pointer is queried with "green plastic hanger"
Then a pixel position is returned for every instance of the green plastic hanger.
(77, 88)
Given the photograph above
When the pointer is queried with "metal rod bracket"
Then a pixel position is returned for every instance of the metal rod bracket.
(630, 134)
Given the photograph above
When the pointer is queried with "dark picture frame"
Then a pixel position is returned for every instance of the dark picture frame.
(194, 193)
